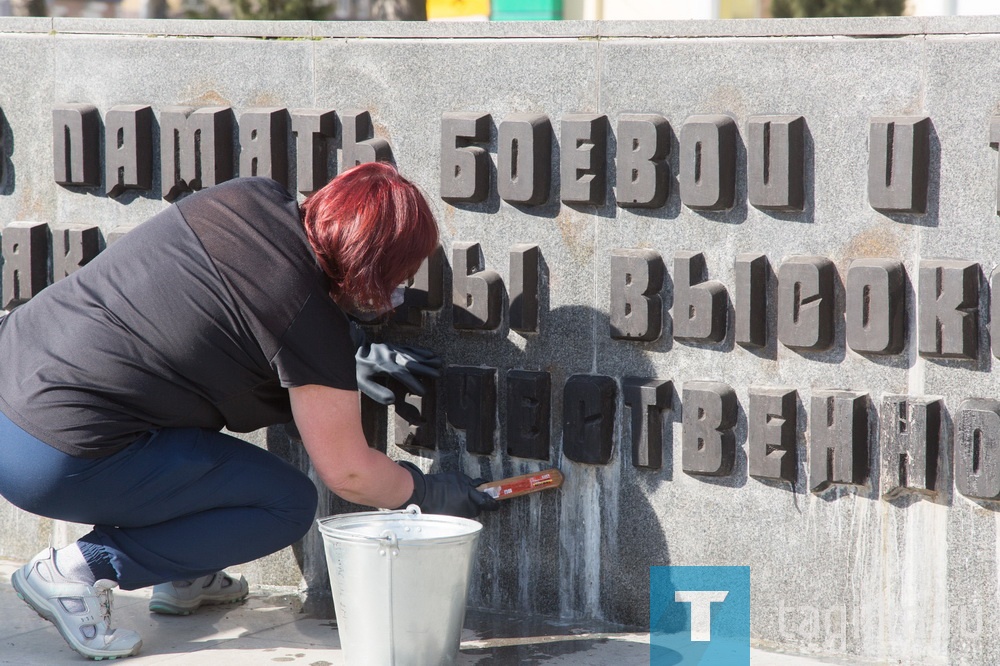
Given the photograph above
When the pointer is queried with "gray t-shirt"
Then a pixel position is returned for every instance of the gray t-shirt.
(203, 316)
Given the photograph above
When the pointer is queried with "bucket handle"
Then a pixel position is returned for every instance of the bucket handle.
(388, 541)
(410, 509)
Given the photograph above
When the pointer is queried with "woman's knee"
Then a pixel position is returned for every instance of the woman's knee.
(298, 507)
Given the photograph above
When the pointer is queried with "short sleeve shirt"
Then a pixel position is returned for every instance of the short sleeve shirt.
(202, 316)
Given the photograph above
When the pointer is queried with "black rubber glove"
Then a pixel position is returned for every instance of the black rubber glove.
(401, 363)
(448, 493)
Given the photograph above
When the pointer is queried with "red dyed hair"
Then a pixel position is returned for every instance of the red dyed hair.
(370, 229)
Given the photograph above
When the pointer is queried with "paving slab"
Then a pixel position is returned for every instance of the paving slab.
(271, 628)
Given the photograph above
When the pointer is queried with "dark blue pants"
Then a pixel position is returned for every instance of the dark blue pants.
(177, 504)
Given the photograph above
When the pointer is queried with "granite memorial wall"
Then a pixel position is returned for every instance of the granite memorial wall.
(734, 279)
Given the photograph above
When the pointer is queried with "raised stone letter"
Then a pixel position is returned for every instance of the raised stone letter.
(359, 145)
(699, 304)
(775, 162)
(465, 174)
(583, 158)
(977, 449)
(708, 442)
(416, 417)
(636, 306)
(898, 162)
(643, 145)
(312, 128)
(750, 302)
(805, 303)
(589, 418)
(911, 438)
(528, 414)
(476, 292)
(876, 312)
(948, 309)
(472, 405)
(424, 292)
(128, 149)
(995, 312)
(118, 233)
(25, 261)
(73, 247)
(838, 432)
(524, 260)
(995, 141)
(708, 163)
(648, 399)
(264, 144)
(524, 158)
(196, 148)
(772, 418)
(76, 153)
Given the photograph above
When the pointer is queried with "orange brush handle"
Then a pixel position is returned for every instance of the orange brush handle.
(524, 484)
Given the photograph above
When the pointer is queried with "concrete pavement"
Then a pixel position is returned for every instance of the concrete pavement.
(270, 628)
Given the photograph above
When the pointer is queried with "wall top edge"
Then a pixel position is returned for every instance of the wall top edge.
(844, 27)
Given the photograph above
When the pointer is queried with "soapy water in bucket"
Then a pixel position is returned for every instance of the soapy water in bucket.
(400, 582)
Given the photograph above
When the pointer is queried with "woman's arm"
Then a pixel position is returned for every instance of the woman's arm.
(329, 421)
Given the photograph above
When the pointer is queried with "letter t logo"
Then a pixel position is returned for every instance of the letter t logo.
(701, 611)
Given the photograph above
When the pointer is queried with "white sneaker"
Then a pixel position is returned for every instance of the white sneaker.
(183, 597)
(81, 612)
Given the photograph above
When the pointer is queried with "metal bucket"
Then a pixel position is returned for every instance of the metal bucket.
(400, 580)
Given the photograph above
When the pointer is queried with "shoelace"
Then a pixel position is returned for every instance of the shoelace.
(107, 602)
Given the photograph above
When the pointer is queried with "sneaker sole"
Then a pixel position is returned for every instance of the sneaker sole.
(169, 608)
(46, 613)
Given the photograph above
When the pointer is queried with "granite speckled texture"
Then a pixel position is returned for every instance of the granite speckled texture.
(842, 572)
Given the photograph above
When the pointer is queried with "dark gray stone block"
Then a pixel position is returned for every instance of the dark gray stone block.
(647, 400)
(359, 144)
(708, 441)
(75, 144)
(898, 164)
(995, 141)
(776, 162)
(196, 148)
(524, 158)
(805, 303)
(771, 443)
(465, 174)
(313, 129)
(977, 449)
(636, 305)
(26, 261)
(476, 291)
(589, 418)
(416, 417)
(911, 442)
(700, 305)
(424, 292)
(948, 309)
(524, 265)
(641, 160)
(264, 144)
(876, 306)
(528, 414)
(128, 149)
(708, 162)
(583, 158)
(838, 439)
(472, 405)
(750, 299)
(72, 248)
